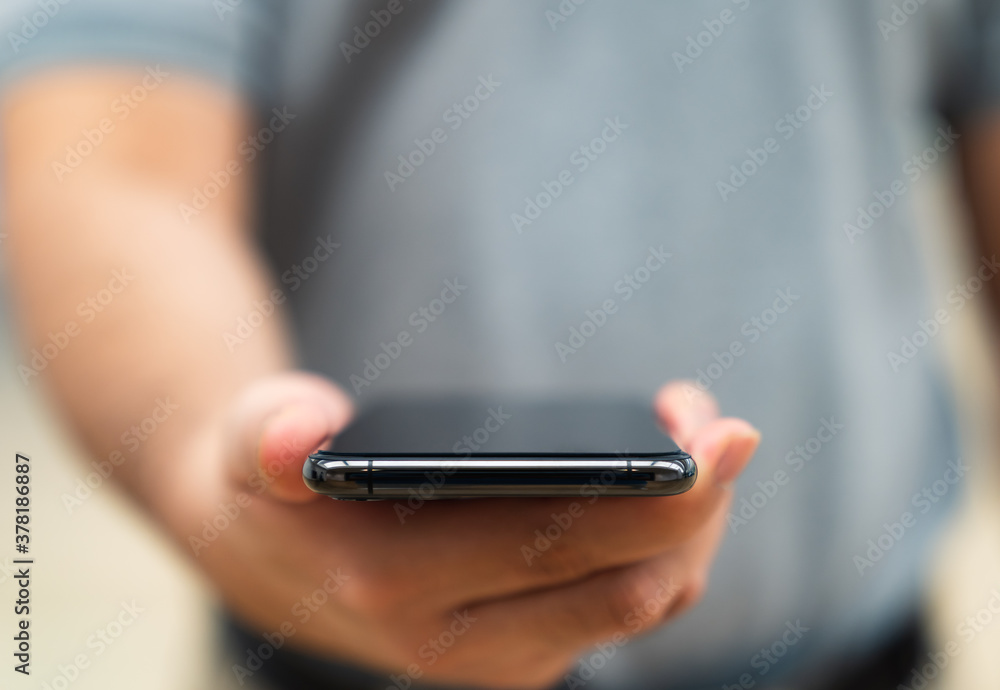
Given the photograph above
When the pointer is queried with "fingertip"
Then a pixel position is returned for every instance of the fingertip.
(684, 408)
(724, 448)
(285, 442)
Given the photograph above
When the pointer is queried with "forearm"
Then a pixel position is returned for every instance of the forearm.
(176, 285)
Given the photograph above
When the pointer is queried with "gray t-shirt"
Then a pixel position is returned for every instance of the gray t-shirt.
(574, 196)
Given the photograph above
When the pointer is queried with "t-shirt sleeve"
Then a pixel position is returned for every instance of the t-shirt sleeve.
(228, 41)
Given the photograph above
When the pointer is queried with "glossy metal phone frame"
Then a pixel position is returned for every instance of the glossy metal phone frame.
(360, 477)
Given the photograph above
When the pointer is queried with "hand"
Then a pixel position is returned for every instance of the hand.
(461, 591)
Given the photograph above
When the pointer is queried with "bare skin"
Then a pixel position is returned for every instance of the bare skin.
(246, 420)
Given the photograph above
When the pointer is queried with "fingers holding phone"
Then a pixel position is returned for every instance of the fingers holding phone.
(543, 629)
(403, 582)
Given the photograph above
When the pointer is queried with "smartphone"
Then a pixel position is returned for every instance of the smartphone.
(445, 448)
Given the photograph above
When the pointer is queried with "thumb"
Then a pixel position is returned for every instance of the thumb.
(275, 424)
(691, 416)
(721, 448)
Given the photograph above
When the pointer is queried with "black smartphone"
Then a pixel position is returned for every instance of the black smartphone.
(438, 448)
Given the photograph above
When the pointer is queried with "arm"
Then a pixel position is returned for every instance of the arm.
(181, 284)
(391, 586)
